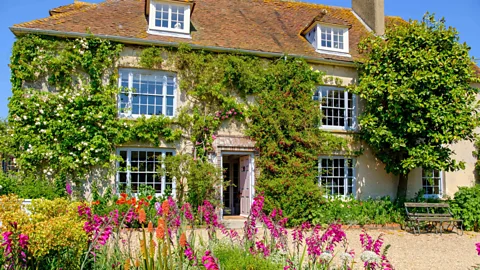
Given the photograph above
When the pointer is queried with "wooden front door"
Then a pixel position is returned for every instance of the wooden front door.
(245, 185)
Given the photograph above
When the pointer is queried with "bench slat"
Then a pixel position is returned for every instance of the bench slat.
(436, 219)
(429, 215)
(427, 205)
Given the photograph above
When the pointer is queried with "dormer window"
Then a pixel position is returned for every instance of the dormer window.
(333, 38)
(171, 18)
(328, 35)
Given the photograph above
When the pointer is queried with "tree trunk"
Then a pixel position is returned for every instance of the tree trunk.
(402, 186)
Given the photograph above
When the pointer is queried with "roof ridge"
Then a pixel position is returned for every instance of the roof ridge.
(89, 6)
(293, 2)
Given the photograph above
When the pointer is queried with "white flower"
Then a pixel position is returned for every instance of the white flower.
(41, 111)
(326, 256)
(346, 257)
(25, 117)
(37, 123)
(370, 257)
(54, 139)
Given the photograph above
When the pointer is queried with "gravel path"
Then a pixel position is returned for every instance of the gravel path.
(426, 251)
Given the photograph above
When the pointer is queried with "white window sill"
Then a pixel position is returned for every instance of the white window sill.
(135, 116)
(338, 129)
(332, 52)
(159, 32)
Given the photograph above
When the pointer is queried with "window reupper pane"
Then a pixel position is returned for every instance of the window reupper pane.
(336, 175)
(337, 107)
(169, 16)
(151, 90)
(143, 170)
(431, 182)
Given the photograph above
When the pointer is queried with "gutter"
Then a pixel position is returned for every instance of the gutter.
(138, 41)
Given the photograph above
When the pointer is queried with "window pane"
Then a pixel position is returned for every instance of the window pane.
(337, 175)
(148, 96)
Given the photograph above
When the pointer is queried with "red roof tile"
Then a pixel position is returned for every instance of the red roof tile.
(259, 25)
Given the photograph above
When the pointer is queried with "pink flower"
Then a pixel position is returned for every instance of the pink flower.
(209, 261)
(478, 248)
(23, 240)
(187, 211)
(214, 137)
(7, 242)
(68, 189)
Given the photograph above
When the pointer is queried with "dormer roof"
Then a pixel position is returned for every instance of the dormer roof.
(325, 18)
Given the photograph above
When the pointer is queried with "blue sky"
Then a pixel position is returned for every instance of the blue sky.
(461, 14)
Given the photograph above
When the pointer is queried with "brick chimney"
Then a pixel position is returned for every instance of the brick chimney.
(372, 13)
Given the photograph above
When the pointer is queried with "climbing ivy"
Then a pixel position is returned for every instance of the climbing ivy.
(64, 115)
(63, 112)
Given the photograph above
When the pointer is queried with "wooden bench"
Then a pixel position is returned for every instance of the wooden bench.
(435, 214)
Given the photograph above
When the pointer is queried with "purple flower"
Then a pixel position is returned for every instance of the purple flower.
(187, 211)
(23, 240)
(209, 261)
(190, 254)
(68, 189)
(261, 247)
(7, 242)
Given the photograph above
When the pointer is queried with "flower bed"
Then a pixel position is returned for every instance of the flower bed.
(170, 239)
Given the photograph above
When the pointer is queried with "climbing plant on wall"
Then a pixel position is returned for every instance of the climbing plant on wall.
(64, 115)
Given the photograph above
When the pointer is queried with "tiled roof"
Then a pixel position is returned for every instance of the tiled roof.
(77, 5)
(259, 25)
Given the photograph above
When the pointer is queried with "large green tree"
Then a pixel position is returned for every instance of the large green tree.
(416, 84)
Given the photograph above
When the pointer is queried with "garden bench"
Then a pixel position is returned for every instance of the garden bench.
(431, 214)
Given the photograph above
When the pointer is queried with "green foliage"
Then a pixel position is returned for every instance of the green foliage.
(285, 125)
(29, 187)
(5, 140)
(196, 180)
(415, 82)
(352, 211)
(151, 57)
(65, 126)
(233, 257)
(56, 236)
(63, 112)
(466, 206)
(64, 115)
(152, 129)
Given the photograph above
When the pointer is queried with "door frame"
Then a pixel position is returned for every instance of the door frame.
(251, 154)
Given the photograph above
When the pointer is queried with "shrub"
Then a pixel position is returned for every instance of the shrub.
(201, 178)
(351, 211)
(466, 206)
(29, 187)
(234, 257)
(55, 231)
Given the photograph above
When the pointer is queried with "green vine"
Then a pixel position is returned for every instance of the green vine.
(71, 125)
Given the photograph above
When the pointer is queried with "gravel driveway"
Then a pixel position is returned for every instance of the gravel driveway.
(426, 251)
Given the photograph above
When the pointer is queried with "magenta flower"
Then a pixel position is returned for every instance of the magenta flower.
(478, 248)
(23, 240)
(209, 261)
(7, 242)
(187, 211)
(68, 189)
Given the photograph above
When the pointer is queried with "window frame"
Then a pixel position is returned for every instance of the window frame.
(345, 176)
(131, 72)
(325, 49)
(354, 108)
(440, 185)
(128, 164)
(153, 12)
